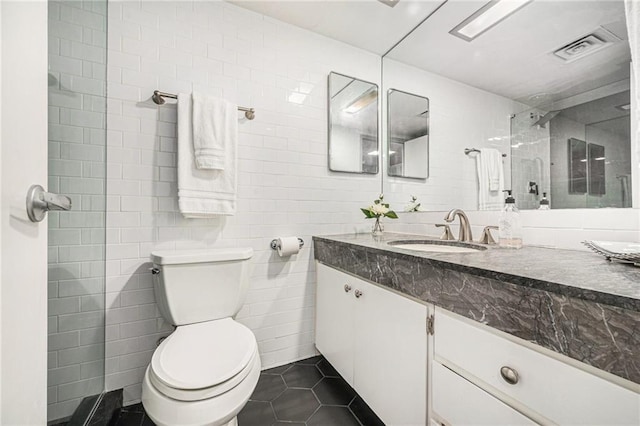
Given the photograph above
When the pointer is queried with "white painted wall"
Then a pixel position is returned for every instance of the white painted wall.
(1, 204)
(284, 187)
(460, 117)
(23, 136)
(416, 156)
(346, 149)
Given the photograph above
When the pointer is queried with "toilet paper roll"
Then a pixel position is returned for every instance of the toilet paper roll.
(288, 246)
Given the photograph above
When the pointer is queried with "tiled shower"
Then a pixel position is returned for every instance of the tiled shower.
(77, 168)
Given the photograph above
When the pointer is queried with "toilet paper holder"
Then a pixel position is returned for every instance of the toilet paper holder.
(274, 243)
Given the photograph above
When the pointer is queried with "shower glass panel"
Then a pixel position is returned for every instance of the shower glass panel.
(77, 150)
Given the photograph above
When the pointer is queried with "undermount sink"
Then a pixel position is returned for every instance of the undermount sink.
(437, 246)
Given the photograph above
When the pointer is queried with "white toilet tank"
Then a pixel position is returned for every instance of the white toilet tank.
(200, 285)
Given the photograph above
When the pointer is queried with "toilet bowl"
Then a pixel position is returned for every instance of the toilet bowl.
(206, 370)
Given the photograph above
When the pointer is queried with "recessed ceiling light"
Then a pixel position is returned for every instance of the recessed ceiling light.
(362, 101)
(486, 17)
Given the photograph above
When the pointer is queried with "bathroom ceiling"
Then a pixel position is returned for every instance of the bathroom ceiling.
(515, 58)
(367, 24)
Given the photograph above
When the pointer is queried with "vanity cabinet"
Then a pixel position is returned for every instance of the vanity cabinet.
(377, 340)
(457, 401)
(476, 367)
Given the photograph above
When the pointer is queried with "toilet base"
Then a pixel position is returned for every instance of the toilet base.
(220, 410)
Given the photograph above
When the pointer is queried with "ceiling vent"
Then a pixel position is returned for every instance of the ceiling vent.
(591, 43)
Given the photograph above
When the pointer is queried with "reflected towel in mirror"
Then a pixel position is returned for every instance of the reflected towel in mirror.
(490, 179)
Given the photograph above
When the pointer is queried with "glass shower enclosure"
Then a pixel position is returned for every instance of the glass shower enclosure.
(77, 168)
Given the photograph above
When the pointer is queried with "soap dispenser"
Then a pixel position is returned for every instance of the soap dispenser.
(510, 226)
(544, 203)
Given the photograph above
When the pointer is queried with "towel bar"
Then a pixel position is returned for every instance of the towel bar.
(158, 98)
(468, 151)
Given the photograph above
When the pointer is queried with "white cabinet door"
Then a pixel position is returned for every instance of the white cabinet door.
(391, 355)
(459, 402)
(334, 319)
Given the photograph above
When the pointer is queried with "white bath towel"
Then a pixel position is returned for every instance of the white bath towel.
(202, 193)
(215, 126)
(490, 179)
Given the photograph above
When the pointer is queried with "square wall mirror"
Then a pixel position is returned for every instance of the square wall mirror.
(408, 135)
(353, 125)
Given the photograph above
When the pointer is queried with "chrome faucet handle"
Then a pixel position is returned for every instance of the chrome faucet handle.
(447, 234)
(487, 238)
(465, 227)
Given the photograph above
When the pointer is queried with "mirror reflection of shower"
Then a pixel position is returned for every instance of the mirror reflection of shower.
(530, 157)
(542, 154)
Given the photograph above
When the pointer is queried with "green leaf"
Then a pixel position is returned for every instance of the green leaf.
(367, 213)
(391, 214)
(377, 201)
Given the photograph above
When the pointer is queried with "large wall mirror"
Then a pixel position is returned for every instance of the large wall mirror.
(353, 125)
(407, 135)
(541, 76)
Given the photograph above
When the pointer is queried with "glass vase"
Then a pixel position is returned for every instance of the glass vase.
(377, 229)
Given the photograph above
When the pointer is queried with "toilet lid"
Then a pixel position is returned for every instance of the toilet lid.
(203, 355)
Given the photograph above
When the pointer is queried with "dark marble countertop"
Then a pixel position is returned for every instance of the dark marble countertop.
(571, 302)
(573, 273)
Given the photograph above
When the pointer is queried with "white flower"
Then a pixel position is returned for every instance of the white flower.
(379, 209)
(412, 207)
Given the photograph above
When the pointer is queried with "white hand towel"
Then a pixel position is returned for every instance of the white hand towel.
(201, 192)
(215, 126)
(490, 179)
(493, 165)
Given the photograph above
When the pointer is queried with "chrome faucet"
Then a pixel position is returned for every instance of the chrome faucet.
(465, 227)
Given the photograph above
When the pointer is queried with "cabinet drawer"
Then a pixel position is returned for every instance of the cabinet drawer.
(555, 390)
(459, 402)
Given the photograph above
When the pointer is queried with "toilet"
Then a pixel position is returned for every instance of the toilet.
(206, 370)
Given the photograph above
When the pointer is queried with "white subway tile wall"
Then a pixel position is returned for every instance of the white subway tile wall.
(563, 229)
(77, 139)
(284, 186)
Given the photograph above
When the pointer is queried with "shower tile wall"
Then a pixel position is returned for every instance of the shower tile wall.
(531, 156)
(284, 185)
(77, 74)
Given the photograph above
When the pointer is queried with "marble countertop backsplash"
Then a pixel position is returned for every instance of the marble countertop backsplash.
(572, 302)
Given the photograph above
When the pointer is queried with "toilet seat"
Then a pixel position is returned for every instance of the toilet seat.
(192, 364)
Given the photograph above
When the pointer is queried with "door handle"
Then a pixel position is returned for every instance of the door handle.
(39, 202)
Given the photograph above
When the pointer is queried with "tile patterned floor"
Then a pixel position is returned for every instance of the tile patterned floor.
(308, 392)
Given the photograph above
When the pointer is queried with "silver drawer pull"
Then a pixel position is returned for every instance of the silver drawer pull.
(509, 375)
(347, 288)
(358, 293)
